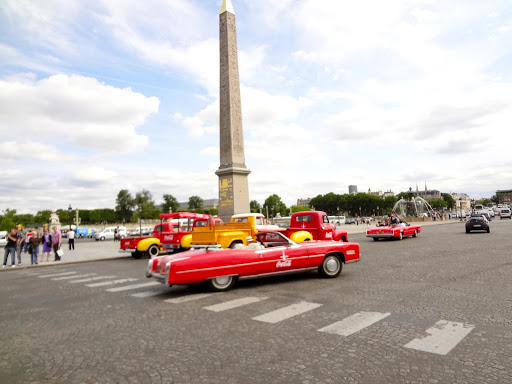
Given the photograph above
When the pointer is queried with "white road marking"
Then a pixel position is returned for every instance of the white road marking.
(184, 299)
(73, 277)
(111, 282)
(91, 279)
(287, 312)
(442, 338)
(234, 303)
(354, 323)
(147, 294)
(58, 274)
(134, 286)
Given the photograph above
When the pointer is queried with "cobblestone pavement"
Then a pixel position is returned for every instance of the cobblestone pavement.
(434, 309)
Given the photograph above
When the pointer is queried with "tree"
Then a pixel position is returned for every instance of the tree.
(170, 204)
(7, 221)
(484, 202)
(124, 205)
(299, 208)
(145, 204)
(254, 206)
(195, 202)
(275, 205)
(42, 217)
(495, 199)
(438, 203)
(450, 201)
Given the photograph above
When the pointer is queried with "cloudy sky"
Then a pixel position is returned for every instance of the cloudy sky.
(102, 95)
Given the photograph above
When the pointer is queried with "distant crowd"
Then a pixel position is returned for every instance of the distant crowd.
(21, 241)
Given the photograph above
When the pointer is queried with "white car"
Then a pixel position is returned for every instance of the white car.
(108, 233)
(505, 213)
(3, 238)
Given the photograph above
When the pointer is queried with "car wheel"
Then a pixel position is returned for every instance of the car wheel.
(153, 251)
(375, 239)
(233, 245)
(343, 239)
(221, 283)
(415, 233)
(331, 266)
(488, 230)
(467, 231)
(136, 255)
(102, 238)
(401, 236)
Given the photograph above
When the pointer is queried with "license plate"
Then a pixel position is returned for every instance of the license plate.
(478, 225)
(380, 233)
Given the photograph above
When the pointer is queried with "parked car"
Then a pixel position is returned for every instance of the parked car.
(350, 221)
(3, 238)
(505, 213)
(477, 223)
(146, 231)
(108, 233)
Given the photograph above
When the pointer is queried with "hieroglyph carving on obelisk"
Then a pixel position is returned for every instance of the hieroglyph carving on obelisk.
(233, 183)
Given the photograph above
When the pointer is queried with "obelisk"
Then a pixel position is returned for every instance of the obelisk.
(233, 183)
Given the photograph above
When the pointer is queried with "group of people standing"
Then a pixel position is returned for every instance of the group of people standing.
(19, 240)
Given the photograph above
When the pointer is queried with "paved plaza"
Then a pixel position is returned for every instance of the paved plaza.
(434, 309)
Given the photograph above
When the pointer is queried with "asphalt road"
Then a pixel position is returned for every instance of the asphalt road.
(434, 309)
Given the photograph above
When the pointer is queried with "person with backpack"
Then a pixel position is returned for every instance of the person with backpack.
(33, 246)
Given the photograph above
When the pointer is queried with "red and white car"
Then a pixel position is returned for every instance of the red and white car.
(272, 253)
(398, 231)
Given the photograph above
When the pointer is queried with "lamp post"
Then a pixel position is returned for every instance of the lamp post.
(460, 202)
(140, 221)
(70, 212)
(359, 211)
(377, 211)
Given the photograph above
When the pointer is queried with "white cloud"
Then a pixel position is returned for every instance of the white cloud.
(77, 109)
(17, 150)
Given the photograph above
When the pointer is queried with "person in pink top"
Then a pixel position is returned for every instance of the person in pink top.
(56, 240)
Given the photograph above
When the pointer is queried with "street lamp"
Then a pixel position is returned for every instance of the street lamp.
(359, 211)
(140, 221)
(377, 211)
(70, 212)
(460, 201)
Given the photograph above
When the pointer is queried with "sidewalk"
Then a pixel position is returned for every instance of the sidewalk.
(84, 252)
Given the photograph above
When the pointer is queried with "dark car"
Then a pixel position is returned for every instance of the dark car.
(350, 221)
(477, 223)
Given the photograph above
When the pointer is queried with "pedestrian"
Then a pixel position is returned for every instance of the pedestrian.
(115, 234)
(71, 239)
(33, 246)
(56, 241)
(20, 242)
(10, 247)
(47, 245)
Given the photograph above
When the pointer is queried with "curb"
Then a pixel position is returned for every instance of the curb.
(54, 263)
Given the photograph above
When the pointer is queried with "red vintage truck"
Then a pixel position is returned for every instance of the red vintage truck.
(167, 236)
(317, 224)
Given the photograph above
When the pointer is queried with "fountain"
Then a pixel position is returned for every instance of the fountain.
(414, 209)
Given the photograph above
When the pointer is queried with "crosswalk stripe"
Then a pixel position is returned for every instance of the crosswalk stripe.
(442, 338)
(111, 282)
(58, 274)
(354, 323)
(134, 286)
(73, 276)
(91, 279)
(287, 312)
(184, 299)
(146, 294)
(234, 303)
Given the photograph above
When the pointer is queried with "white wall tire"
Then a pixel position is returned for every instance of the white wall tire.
(221, 283)
(153, 251)
(331, 266)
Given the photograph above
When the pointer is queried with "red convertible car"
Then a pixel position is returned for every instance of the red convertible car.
(398, 231)
(272, 253)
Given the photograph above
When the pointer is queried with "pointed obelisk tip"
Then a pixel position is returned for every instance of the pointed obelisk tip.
(227, 6)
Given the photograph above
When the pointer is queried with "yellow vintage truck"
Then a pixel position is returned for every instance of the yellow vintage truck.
(241, 228)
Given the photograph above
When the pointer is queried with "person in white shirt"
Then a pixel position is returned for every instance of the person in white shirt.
(71, 239)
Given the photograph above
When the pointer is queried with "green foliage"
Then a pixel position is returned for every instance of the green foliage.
(124, 205)
(353, 205)
(438, 203)
(212, 211)
(195, 202)
(450, 201)
(145, 204)
(255, 206)
(42, 217)
(134, 218)
(170, 204)
(299, 208)
(275, 206)
(7, 221)
(495, 199)
(24, 219)
(484, 202)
